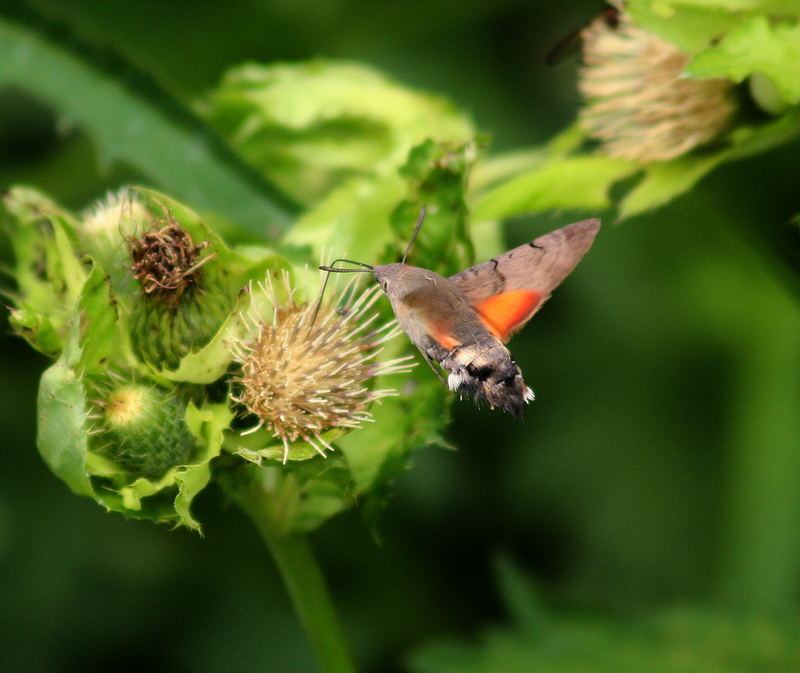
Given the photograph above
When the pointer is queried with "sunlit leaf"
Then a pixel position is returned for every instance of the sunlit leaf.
(690, 27)
(578, 182)
(664, 181)
(208, 424)
(772, 49)
(352, 220)
(311, 126)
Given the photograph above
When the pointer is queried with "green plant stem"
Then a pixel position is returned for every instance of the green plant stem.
(298, 568)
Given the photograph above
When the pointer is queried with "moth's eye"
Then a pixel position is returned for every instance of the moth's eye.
(384, 285)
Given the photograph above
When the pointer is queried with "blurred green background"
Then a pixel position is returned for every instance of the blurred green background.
(657, 468)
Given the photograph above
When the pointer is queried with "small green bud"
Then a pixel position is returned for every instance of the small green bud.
(143, 429)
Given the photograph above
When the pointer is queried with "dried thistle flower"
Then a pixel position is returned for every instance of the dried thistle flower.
(166, 261)
(307, 370)
(638, 103)
(181, 300)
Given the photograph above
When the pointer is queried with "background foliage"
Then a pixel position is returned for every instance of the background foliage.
(650, 494)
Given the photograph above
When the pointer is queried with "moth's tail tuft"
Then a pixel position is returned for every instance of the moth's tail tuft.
(484, 369)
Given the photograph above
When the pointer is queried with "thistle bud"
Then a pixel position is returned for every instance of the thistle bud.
(638, 102)
(308, 369)
(142, 429)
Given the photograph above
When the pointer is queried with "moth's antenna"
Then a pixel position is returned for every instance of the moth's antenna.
(367, 268)
(416, 231)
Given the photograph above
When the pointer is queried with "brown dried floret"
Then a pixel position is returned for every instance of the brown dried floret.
(167, 262)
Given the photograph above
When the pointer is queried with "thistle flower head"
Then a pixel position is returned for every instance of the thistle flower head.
(636, 100)
(307, 368)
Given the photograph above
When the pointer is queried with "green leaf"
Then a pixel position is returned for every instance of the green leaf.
(99, 336)
(321, 498)
(768, 6)
(757, 45)
(298, 497)
(61, 419)
(579, 182)
(437, 176)
(351, 220)
(379, 451)
(47, 271)
(166, 142)
(690, 27)
(63, 411)
(36, 328)
(312, 492)
(665, 181)
(678, 641)
(694, 25)
(498, 168)
(261, 445)
(208, 424)
(312, 126)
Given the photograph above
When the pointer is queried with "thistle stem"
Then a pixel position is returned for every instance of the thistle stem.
(299, 570)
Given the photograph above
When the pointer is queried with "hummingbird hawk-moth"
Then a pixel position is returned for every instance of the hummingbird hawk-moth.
(462, 322)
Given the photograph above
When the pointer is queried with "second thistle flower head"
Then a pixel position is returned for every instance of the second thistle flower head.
(637, 100)
(307, 369)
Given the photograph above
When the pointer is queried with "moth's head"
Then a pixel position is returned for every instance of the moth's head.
(390, 277)
(400, 280)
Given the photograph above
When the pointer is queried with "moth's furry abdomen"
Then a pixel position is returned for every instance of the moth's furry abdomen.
(484, 368)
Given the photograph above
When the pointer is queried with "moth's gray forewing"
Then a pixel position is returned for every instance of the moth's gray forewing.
(540, 265)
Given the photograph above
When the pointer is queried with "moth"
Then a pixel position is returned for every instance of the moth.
(463, 322)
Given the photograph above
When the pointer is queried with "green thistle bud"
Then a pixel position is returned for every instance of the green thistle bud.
(637, 100)
(142, 429)
(308, 369)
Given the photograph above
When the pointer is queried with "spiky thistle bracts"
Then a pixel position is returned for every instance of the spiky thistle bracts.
(307, 367)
